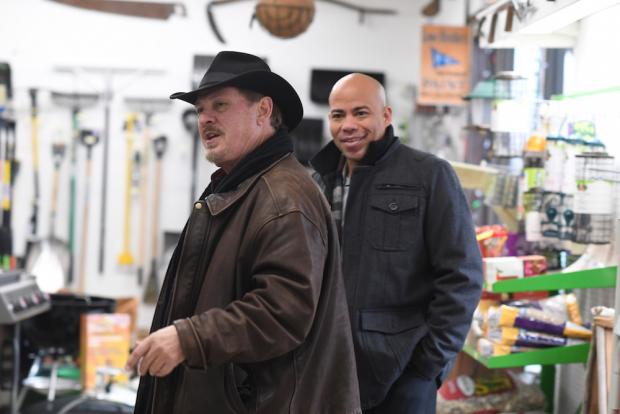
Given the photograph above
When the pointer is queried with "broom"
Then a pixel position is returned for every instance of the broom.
(151, 290)
(76, 102)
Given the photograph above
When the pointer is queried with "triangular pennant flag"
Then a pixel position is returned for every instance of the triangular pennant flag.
(441, 59)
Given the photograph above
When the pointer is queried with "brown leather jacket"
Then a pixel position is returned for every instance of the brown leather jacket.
(270, 333)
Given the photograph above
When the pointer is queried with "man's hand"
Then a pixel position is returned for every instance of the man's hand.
(158, 354)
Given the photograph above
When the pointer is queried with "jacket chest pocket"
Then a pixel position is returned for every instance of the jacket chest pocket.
(392, 221)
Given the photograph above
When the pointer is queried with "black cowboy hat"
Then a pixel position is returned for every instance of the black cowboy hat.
(250, 72)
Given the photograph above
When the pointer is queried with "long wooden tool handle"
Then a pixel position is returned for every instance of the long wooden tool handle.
(75, 139)
(6, 176)
(85, 214)
(58, 152)
(126, 257)
(35, 160)
(143, 198)
(160, 148)
(6, 236)
(84, 244)
(90, 140)
(152, 288)
(161, 11)
(104, 182)
(9, 261)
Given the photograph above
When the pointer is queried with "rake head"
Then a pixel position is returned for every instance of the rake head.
(74, 99)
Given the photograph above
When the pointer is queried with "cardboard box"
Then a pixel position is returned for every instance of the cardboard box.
(104, 344)
(501, 268)
(534, 265)
(512, 267)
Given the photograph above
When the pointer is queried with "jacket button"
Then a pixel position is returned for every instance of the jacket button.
(393, 206)
(198, 206)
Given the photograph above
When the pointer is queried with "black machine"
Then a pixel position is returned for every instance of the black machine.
(20, 299)
(60, 327)
(72, 405)
(322, 81)
(54, 336)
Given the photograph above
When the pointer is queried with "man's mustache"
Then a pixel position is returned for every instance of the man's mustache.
(210, 129)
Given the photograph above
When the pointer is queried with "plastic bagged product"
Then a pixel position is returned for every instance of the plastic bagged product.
(487, 348)
(500, 392)
(535, 320)
(562, 307)
(531, 339)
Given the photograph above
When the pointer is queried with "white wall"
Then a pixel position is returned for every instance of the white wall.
(596, 62)
(594, 66)
(38, 35)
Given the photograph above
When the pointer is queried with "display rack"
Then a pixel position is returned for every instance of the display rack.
(604, 277)
(548, 356)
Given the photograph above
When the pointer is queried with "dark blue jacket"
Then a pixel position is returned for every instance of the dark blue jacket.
(411, 263)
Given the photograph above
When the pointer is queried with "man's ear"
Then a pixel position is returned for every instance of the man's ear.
(264, 108)
(387, 115)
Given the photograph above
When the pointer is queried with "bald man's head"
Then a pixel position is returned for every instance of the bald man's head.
(358, 115)
(361, 83)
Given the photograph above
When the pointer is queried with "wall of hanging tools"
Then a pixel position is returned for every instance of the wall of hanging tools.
(88, 113)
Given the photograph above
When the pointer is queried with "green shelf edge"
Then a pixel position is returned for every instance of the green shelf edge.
(603, 277)
(548, 356)
(582, 94)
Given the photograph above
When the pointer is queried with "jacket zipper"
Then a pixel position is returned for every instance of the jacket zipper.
(203, 261)
(167, 320)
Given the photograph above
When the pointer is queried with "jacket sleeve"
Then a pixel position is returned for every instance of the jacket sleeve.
(455, 260)
(275, 316)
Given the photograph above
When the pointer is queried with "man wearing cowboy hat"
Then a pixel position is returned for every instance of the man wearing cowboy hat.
(252, 314)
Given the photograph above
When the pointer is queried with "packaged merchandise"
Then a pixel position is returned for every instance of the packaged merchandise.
(496, 393)
(487, 348)
(512, 267)
(562, 307)
(491, 240)
(501, 268)
(573, 309)
(535, 320)
(530, 339)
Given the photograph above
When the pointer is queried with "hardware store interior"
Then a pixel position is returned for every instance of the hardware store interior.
(101, 170)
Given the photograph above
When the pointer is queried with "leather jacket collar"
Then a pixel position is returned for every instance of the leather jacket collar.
(218, 202)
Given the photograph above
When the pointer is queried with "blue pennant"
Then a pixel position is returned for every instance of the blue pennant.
(440, 59)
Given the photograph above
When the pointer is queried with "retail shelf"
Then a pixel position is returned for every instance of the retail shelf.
(473, 176)
(603, 277)
(508, 216)
(548, 356)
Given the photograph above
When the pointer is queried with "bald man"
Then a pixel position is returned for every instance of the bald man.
(412, 267)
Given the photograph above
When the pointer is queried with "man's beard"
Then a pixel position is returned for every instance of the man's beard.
(210, 156)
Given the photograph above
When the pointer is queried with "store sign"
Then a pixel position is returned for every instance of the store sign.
(444, 75)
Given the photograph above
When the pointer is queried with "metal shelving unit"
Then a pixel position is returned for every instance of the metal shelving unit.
(547, 356)
(604, 277)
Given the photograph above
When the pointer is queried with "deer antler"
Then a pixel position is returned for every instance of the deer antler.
(361, 9)
(211, 16)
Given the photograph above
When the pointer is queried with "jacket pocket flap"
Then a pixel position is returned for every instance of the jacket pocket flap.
(390, 321)
(394, 203)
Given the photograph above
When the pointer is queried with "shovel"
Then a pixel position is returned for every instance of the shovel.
(125, 258)
(76, 102)
(151, 290)
(49, 259)
(89, 139)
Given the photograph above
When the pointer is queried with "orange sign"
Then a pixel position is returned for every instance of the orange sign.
(444, 75)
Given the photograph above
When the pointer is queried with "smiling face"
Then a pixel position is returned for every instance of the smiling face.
(358, 115)
(231, 126)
